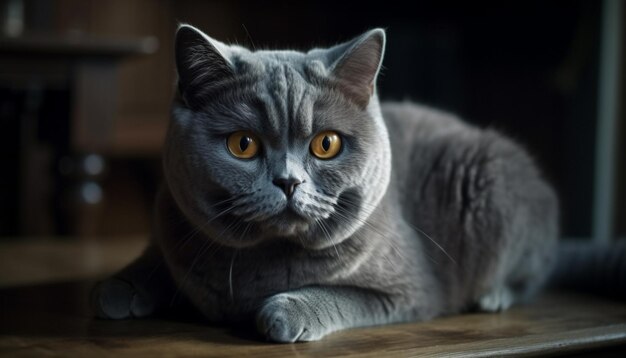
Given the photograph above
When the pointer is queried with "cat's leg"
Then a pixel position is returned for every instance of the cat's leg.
(524, 281)
(136, 291)
(525, 262)
(524, 267)
(310, 313)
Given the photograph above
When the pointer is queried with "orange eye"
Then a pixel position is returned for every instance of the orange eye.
(243, 145)
(326, 144)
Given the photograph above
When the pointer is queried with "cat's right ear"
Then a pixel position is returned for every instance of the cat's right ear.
(356, 63)
(201, 63)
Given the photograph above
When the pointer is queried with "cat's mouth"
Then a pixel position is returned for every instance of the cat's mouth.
(313, 225)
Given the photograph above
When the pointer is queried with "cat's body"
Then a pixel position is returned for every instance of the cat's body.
(419, 214)
(392, 252)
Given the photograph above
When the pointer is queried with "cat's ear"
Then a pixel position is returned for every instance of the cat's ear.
(201, 62)
(356, 64)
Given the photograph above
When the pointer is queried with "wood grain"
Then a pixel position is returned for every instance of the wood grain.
(39, 318)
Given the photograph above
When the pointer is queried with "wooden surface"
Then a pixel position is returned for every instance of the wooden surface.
(43, 312)
(45, 261)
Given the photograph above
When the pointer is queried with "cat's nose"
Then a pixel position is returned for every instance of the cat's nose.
(288, 185)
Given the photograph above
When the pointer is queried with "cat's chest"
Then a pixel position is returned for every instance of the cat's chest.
(236, 281)
(257, 274)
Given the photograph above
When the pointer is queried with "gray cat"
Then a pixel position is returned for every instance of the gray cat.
(294, 198)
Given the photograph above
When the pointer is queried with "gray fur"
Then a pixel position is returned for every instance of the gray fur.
(420, 215)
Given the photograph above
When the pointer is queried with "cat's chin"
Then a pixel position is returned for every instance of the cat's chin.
(285, 224)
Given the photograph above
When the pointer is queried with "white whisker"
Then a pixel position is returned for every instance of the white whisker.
(230, 276)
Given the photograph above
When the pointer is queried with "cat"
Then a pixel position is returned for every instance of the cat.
(297, 201)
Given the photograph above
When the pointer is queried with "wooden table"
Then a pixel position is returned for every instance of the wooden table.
(44, 287)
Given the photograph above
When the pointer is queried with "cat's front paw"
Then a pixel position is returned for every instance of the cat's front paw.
(287, 317)
(498, 299)
(118, 299)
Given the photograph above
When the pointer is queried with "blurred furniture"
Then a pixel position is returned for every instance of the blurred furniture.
(76, 101)
(88, 64)
(88, 67)
(50, 260)
(44, 290)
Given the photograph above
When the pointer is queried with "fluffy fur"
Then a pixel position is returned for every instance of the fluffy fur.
(420, 214)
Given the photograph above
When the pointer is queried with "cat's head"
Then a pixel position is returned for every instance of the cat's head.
(277, 144)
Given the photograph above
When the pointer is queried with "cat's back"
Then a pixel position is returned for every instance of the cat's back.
(419, 135)
(431, 145)
(423, 139)
(415, 128)
(412, 118)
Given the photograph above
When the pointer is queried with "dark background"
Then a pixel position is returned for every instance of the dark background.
(527, 68)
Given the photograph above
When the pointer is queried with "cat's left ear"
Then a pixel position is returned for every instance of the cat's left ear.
(201, 63)
(356, 64)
